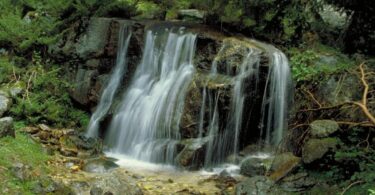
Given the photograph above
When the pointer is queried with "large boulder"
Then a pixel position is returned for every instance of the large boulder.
(258, 185)
(192, 15)
(6, 127)
(297, 182)
(83, 84)
(5, 103)
(93, 42)
(253, 166)
(323, 128)
(99, 165)
(315, 149)
(283, 164)
(192, 154)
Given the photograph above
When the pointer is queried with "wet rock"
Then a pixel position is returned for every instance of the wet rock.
(315, 149)
(255, 148)
(115, 182)
(5, 103)
(96, 191)
(99, 165)
(296, 183)
(82, 86)
(253, 166)
(6, 127)
(93, 42)
(233, 52)
(323, 128)
(192, 15)
(93, 63)
(258, 185)
(283, 164)
(46, 185)
(192, 154)
(332, 16)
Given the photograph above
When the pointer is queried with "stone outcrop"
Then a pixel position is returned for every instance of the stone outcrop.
(323, 128)
(315, 149)
(5, 103)
(92, 45)
(282, 165)
(6, 127)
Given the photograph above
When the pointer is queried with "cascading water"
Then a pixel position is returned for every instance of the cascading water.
(146, 126)
(276, 97)
(225, 142)
(114, 82)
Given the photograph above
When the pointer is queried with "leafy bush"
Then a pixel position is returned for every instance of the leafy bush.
(46, 98)
(316, 62)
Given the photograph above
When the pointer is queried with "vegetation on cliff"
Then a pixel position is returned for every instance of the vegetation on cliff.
(324, 58)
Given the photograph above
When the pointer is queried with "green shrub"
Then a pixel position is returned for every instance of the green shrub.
(46, 98)
(311, 63)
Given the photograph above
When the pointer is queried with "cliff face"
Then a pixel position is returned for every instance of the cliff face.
(89, 58)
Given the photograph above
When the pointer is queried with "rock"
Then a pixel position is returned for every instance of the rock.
(323, 128)
(82, 86)
(192, 15)
(333, 16)
(93, 42)
(258, 185)
(5, 103)
(255, 148)
(191, 156)
(6, 127)
(99, 165)
(315, 149)
(282, 165)
(44, 127)
(96, 191)
(93, 63)
(296, 183)
(253, 166)
(21, 171)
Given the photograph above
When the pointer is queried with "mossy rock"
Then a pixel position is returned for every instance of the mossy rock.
(315, 149)
(323, 128)
(283, 164)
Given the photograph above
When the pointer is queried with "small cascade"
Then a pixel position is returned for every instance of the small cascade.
(146, 126)
(226, 141)
(176, 111)
(114, 82)
(276, 98)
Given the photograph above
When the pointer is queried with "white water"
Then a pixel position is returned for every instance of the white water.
(114, 82)
(146, 126)
(276, 97)
(226, 142)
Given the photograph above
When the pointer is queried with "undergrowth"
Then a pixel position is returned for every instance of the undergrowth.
(45, 97)
(21, 149)
(311, 63)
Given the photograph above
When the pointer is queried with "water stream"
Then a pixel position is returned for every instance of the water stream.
(109, 91)
(146, 125)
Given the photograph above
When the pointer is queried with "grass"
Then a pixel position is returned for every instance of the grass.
(21, 149)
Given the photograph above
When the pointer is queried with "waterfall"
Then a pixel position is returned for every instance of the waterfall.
(276, 97)
(226, 142)
(114, 82)
(146, 123)
(146, 126)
